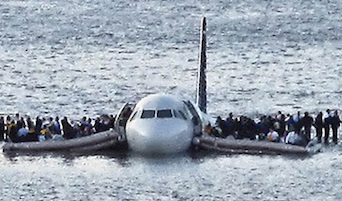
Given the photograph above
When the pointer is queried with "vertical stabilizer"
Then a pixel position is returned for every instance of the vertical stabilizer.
(201, 99)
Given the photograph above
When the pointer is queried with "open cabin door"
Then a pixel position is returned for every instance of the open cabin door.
(196, 119)
(121, 120)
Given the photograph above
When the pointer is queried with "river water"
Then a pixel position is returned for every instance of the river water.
(84, 58)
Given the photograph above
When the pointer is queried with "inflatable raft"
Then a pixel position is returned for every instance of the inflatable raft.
(110, 139)
(247, 146)
(103, 140)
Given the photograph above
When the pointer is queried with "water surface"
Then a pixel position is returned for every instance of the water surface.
(76, 58)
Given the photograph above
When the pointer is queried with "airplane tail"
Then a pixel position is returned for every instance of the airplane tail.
(201, 99)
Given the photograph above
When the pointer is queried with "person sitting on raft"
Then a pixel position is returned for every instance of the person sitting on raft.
(246, 128)
(212, 131)
(230, 125)
(22, 133)
(273, 136)
(295, 138)
(45, 133)
(263, 127)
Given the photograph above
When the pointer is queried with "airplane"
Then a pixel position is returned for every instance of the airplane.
(163, 123)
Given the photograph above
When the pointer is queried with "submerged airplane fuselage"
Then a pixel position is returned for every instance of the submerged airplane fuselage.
(160, 123)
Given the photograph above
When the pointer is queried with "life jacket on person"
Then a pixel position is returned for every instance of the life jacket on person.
(12, 131)
(46, 133)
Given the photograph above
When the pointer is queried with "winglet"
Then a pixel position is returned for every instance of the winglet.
(201, 99)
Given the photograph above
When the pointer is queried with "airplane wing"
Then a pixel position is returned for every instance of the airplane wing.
(102, 140)
(228, 145)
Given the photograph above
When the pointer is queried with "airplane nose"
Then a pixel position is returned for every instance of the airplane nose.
(161, 138)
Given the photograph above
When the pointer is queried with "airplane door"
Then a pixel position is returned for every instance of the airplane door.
(121, 120)
(196, 119)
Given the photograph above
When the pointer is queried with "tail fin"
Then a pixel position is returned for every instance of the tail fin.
(201, 99)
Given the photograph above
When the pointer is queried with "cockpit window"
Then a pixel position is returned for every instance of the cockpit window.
(146, 114)
(179, 114)
(164, 114)
(182, 114)
(176, 114)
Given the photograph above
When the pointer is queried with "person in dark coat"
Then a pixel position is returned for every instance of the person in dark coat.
(38, 126)
(112, 121)
(307, 122)
(230, 123)
(68, 131)
(290, 123)
(319, 126)
(335, 123)
(327, 122)
(29, 122)
(2, 128)
(12, 131)
(298, 122)
(282, 131)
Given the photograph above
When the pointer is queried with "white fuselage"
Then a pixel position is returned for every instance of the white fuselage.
(159, 124)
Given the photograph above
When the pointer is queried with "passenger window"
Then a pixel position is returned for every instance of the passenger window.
(164, 114)
(146, 114)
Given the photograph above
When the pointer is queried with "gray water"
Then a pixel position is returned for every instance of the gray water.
(85, 58)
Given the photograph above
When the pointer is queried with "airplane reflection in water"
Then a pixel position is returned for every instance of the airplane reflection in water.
(161, 123)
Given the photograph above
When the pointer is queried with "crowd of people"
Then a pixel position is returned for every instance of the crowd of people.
(292, 129)
(15, 128)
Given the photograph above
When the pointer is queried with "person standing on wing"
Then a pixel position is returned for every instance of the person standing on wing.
(335, 123)
(319, 126)
(326, 121)
(307, 123)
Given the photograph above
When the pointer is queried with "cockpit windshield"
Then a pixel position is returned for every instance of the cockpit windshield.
(164, 114)
(146, 114)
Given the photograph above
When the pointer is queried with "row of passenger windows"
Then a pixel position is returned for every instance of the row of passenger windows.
(147, 114)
